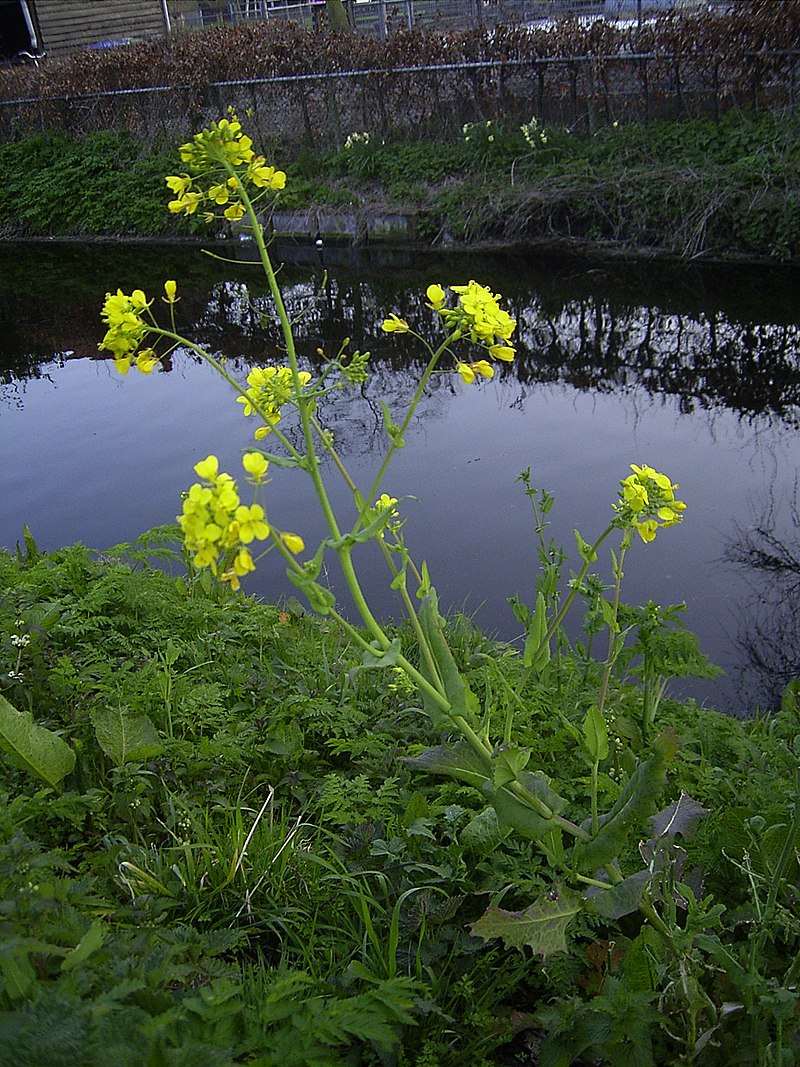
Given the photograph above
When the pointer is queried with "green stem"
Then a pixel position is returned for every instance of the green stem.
(220, 369)
(613, 629)
(554, 625)
(412, 407)
(337, 459)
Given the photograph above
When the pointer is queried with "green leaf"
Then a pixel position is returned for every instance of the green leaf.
(482, 834)
(595, 734)
(619, 900)
(635, 803)
(459, 760)
(680, 817)
(91, 941)
(391, 428)
(125, 737)
(382, 657)
(790, 700)
(509, 763)
(514, 814)
(584, 549)
(31, 549)
(542, 926)
(37, 749)
(461, 699)
(536, 655)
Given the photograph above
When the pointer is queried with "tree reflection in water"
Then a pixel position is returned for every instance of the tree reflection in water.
(701, 366)
(769, 635)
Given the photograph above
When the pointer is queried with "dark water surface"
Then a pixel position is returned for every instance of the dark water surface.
(695, 372)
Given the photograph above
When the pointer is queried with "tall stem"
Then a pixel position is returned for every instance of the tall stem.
(576, 585)
(613, 628)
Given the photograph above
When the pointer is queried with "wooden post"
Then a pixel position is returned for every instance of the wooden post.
(382, 19)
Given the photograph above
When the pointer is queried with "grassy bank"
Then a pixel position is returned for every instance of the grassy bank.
(689, 189)
(233, 866)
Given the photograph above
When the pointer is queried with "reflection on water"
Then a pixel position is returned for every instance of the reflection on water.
(696, 373)
(769, 636)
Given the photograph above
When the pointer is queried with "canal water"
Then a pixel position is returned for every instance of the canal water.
(695, 371)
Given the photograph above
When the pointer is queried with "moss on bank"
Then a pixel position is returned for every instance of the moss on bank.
(689, 189)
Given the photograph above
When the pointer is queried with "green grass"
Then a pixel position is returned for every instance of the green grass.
(691, 188)
(240, 869)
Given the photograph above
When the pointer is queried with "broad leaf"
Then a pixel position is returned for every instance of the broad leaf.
(459, 760)
(37, 749)
(542, 926)
(536, 654)
(482, 834)
(635, 804)
(513, 813)
(91, 941)
(595, 734)
(680, 817)
(386, 657)
(462, 700)
(509, 761)
(620, 899)
(125, 737)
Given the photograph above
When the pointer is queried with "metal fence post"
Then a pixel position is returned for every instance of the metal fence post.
(410, 13)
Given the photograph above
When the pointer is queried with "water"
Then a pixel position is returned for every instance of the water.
(695, 372)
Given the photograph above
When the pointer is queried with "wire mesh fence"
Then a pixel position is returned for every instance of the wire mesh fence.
(320, 110)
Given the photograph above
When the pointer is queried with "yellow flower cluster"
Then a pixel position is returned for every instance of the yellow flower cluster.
(122, 315)
(270, 389)
(478, 316)
(221, 163)
(647, 501)
(217, 525)
(127, 328)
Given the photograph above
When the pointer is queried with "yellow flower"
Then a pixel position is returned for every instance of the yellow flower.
(436, 295)
(178, 183)
(394, 324)
(170, 288)
(482, 367)
(250, 523)
(207, 468)
(482, 315)
(256, 466)
(385, 502)
(234, 212)
(504, 352)
(146, 360)
(469, 371)
(187, 203)
(270, 388)
(294, 542)
(126, 327)
(647, 502)
(265, 177)
(635, 493)
(219, 194)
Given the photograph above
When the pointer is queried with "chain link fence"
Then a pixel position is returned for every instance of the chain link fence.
(431, 102)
